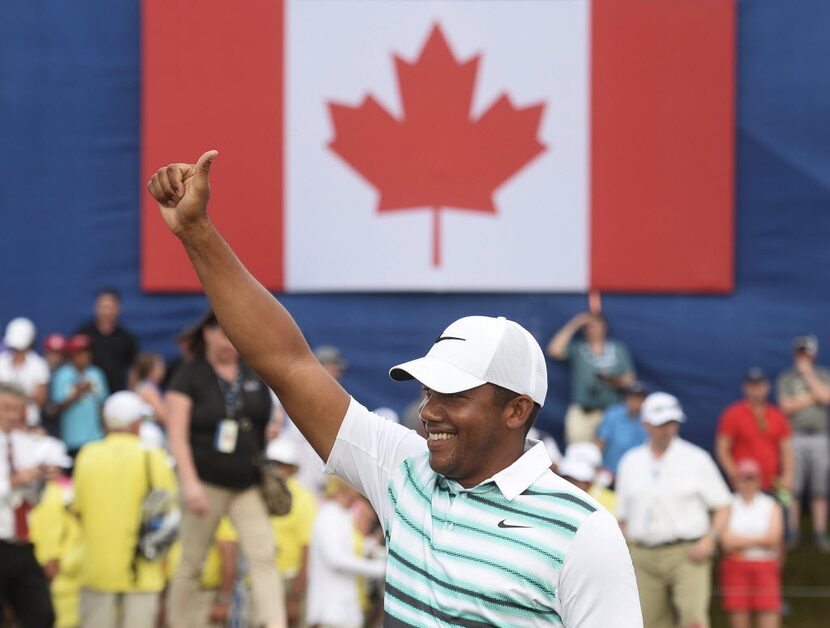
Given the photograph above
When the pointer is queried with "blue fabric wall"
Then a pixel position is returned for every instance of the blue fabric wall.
(69, 188)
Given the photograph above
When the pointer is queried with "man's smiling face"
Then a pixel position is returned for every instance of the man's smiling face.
(470, 434)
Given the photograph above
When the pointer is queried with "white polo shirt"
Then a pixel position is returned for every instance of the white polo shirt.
(668, 499)
(33, 372)
(523, 548)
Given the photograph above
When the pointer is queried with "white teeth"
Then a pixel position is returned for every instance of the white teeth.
(440, 436)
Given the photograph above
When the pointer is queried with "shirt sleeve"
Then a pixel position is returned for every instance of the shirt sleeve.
(715, 493)
(604, 431)
(182, 381)
(40, 372)
(226, 533)
(621, 488)
(341, 557)
(597, 586)
(366, 452)
(60, 386)
(726, 425)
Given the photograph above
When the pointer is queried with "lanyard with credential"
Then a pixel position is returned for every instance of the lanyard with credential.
(228, 429)
(230, 395)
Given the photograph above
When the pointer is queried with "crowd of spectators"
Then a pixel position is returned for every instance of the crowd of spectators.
(129, 486)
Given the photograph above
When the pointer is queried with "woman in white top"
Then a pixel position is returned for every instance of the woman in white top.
(149, 370)
(750, 571)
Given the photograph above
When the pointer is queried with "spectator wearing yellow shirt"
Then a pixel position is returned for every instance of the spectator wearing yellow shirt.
(292, 532)
(112, 477)
(56, 535)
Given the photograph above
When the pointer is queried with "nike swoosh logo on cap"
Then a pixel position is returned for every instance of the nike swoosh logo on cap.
(503, 524)
(442, 338)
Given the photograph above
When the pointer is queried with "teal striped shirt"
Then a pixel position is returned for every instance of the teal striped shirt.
(503, 553)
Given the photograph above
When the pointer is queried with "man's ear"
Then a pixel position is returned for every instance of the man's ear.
(517, 412)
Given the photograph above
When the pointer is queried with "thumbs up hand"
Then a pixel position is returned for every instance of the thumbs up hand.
(182, 192)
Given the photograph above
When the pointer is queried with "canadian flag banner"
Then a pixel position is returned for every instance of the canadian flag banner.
(561, 145)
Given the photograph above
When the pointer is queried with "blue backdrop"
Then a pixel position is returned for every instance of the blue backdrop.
(69, 189)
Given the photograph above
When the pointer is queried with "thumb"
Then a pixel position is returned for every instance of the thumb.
(203, 166)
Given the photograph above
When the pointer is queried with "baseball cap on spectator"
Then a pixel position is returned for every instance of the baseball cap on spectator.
(54, 342)
(636, 388)
(747, 468)
(755, 374)
(807, 344)
(579, 470)
(124, 408)
(326, 354)
(660, 408)
(79, 342)
(20, 334)
(283, 451)
(586, 452)
(478, 350)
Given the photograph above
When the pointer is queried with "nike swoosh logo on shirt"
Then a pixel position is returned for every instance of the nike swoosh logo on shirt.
(502, 524)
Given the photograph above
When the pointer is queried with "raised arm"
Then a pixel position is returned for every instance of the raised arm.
(558, 345)
(260, 328)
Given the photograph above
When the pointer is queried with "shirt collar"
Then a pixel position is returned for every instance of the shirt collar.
(517, 478)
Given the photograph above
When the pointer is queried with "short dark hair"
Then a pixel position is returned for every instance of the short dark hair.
(109, 291)
(503, 396)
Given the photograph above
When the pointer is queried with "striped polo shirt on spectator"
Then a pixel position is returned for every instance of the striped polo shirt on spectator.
(524, 548)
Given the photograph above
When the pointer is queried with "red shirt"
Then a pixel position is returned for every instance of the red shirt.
(739, 424)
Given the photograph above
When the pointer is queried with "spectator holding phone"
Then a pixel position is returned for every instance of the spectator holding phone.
(78, 390)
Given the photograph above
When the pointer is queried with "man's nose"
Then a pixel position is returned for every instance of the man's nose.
(428, 410)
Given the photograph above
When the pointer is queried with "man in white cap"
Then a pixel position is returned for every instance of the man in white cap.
(112, 477)
(479, 530)
(19, 364)
(672, 504)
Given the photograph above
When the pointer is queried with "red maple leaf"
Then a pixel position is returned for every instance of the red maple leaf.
(436, 155)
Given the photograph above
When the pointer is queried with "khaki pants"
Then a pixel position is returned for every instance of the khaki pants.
(250, 518)
(674, 591)
(101, 610)
(580, 425)
(200, 606)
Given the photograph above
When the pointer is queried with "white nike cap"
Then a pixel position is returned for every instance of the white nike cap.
(478, 350)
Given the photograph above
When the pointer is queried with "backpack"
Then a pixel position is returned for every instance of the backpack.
(160, 519)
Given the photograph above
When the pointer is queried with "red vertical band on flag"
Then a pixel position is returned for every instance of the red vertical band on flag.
(662, 147)
(212, 77)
